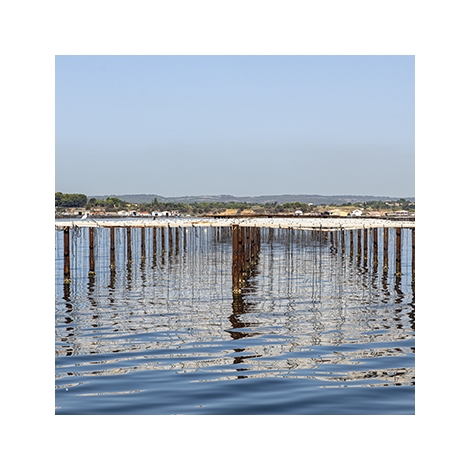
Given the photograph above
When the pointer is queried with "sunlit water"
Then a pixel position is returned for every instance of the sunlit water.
(316, 330)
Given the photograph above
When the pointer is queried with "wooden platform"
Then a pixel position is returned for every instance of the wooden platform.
(299, 223)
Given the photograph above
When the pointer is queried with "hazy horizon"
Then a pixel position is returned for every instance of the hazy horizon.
(246, 195)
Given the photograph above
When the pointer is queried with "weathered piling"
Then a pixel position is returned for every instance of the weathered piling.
(112, 249)
(245, 254)
(142, 243)
(236, 261)
(67, 255)
(170, 240)
(271, 234)
(398, 251)
(162, 231)
(351, 243)
(177, 240)
(129, 245)
(359, 246)
(154, 241)
(413, 254)
(375, 246)
(248, 246)
(91, 240)
(385, 250)
(366, 244)
(242, 251)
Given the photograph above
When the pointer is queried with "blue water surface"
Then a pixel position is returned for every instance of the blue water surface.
(319, 328)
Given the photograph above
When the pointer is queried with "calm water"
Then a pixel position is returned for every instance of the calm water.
(317, 330)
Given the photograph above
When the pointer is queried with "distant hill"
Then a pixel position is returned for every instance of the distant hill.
(315, 199)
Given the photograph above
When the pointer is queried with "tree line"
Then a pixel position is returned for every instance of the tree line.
(114, 204)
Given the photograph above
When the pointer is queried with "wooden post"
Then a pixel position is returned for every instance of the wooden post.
(413, 254)
(177, 239)
(112, 249)
(248, 233)
(351, 243)
(398, 251)
(162, 230)
(342, 241)
(142, 242)
(359, 247)
(271, 234)
(376, 247)
(242, 252)
(91, 240)
(154, 236)
(129, 245)
(170, 239)
(67, 255)
(366, 244)
(385, 262)
(236, 269)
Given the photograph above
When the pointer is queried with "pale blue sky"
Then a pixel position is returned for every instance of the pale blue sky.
(241, 125)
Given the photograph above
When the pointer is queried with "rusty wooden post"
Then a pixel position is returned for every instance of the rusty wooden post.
(112, 249)
(366, 244)
(162, 255)
(398, 251)
(129, 245)
(248, 246)
(412, 254)
(236, 268)
(170, 239)
(67, 255)
(271, 234)
(154, 241)
(142, 243)
(177, 239)
(376, 247)
(385, 261)
(351, 243)
(242, 252)
(91, 243)
(359, 246)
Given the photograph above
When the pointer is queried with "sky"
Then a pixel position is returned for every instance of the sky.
(244, 125)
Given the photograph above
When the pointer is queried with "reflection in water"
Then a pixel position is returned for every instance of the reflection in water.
(317, 305)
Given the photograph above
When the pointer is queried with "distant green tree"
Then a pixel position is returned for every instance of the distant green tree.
(58, 199)
(70, 200)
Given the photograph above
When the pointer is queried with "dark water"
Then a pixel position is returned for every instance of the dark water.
(317, 329)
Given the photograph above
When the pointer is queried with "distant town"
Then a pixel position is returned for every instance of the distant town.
(79, 205)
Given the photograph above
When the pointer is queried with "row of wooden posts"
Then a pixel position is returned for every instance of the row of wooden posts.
(246, 246)
(337, 240)
(112, 246)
